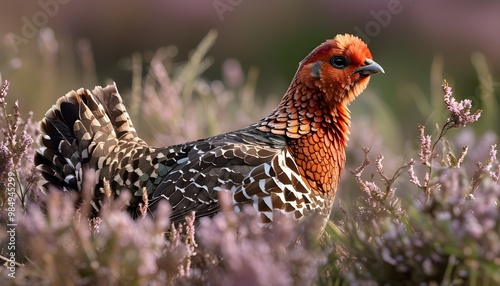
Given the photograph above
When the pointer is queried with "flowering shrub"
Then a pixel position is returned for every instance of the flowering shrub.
(433, 220)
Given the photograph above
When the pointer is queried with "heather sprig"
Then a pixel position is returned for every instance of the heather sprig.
(379, 201)
(460, 111)
(489, 168)
(16, 149)
(6, 165)
(460, 115)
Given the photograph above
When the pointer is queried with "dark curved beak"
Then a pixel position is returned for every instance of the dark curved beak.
(371, 67)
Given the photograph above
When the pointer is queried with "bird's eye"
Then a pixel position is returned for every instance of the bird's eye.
(339, 62)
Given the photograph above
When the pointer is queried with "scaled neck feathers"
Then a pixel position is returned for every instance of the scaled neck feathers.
(304, 110)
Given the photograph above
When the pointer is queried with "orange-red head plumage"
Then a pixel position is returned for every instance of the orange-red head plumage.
(329, 78)
(339, 68)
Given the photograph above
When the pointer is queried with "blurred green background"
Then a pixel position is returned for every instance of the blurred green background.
(417, 42)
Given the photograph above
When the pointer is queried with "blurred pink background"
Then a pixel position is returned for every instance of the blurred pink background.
(405, 37)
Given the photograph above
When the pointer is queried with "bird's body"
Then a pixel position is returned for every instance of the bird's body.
(290, 161)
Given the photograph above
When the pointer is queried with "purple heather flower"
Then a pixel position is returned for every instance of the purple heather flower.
(425, 152)
(3, 91)
(6, 164)
(495, 173)
(411, 174)
(460, 111)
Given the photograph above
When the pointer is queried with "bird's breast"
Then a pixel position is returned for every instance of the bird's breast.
(320, 157)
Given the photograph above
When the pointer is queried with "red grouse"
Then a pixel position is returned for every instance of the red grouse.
(290, 161)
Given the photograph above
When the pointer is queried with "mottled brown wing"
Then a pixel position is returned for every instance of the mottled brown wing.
(256, 173)
(208, 167)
